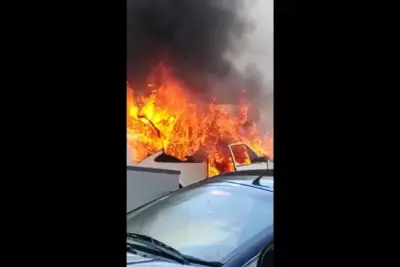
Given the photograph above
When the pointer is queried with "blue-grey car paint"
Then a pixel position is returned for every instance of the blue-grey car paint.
(248, 251)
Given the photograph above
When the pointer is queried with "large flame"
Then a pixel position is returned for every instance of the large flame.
(169, 117)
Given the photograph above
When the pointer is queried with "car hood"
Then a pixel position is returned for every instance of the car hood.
(136, 260)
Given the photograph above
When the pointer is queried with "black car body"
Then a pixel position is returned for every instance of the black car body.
(223, 221)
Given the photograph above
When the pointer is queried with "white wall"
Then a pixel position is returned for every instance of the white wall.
(146, 184)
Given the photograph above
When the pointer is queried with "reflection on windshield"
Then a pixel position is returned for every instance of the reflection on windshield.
(207, 222)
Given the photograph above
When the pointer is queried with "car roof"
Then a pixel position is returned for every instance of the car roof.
(262, 179)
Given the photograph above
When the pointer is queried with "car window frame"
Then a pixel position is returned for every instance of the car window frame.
(252, 261)
(257, 259)
(260, 260)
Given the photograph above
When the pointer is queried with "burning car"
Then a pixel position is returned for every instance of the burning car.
(169, 127)
(197, 167)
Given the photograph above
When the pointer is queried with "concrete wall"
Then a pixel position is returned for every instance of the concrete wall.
(146, 184)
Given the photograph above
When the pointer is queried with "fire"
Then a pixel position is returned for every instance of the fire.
(169, 118)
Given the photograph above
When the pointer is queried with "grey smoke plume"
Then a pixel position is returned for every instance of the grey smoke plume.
(194, 38)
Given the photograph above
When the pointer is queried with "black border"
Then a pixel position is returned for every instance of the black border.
(68, 207)
(333, 69)
(72, 185)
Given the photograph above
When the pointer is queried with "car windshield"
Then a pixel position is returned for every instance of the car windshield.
(208, 222)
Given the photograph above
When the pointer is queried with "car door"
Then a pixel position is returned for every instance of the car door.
(244, 158)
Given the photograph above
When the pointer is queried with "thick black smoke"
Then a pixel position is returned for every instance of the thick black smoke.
(192, 37)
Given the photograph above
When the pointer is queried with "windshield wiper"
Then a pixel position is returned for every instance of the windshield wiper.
(169, 251)
(202, 262)
(164, 250)
(131, 249)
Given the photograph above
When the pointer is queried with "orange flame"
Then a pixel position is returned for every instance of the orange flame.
(170, 118)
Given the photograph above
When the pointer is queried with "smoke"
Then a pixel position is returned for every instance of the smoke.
(259, 56)
(200, 40)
